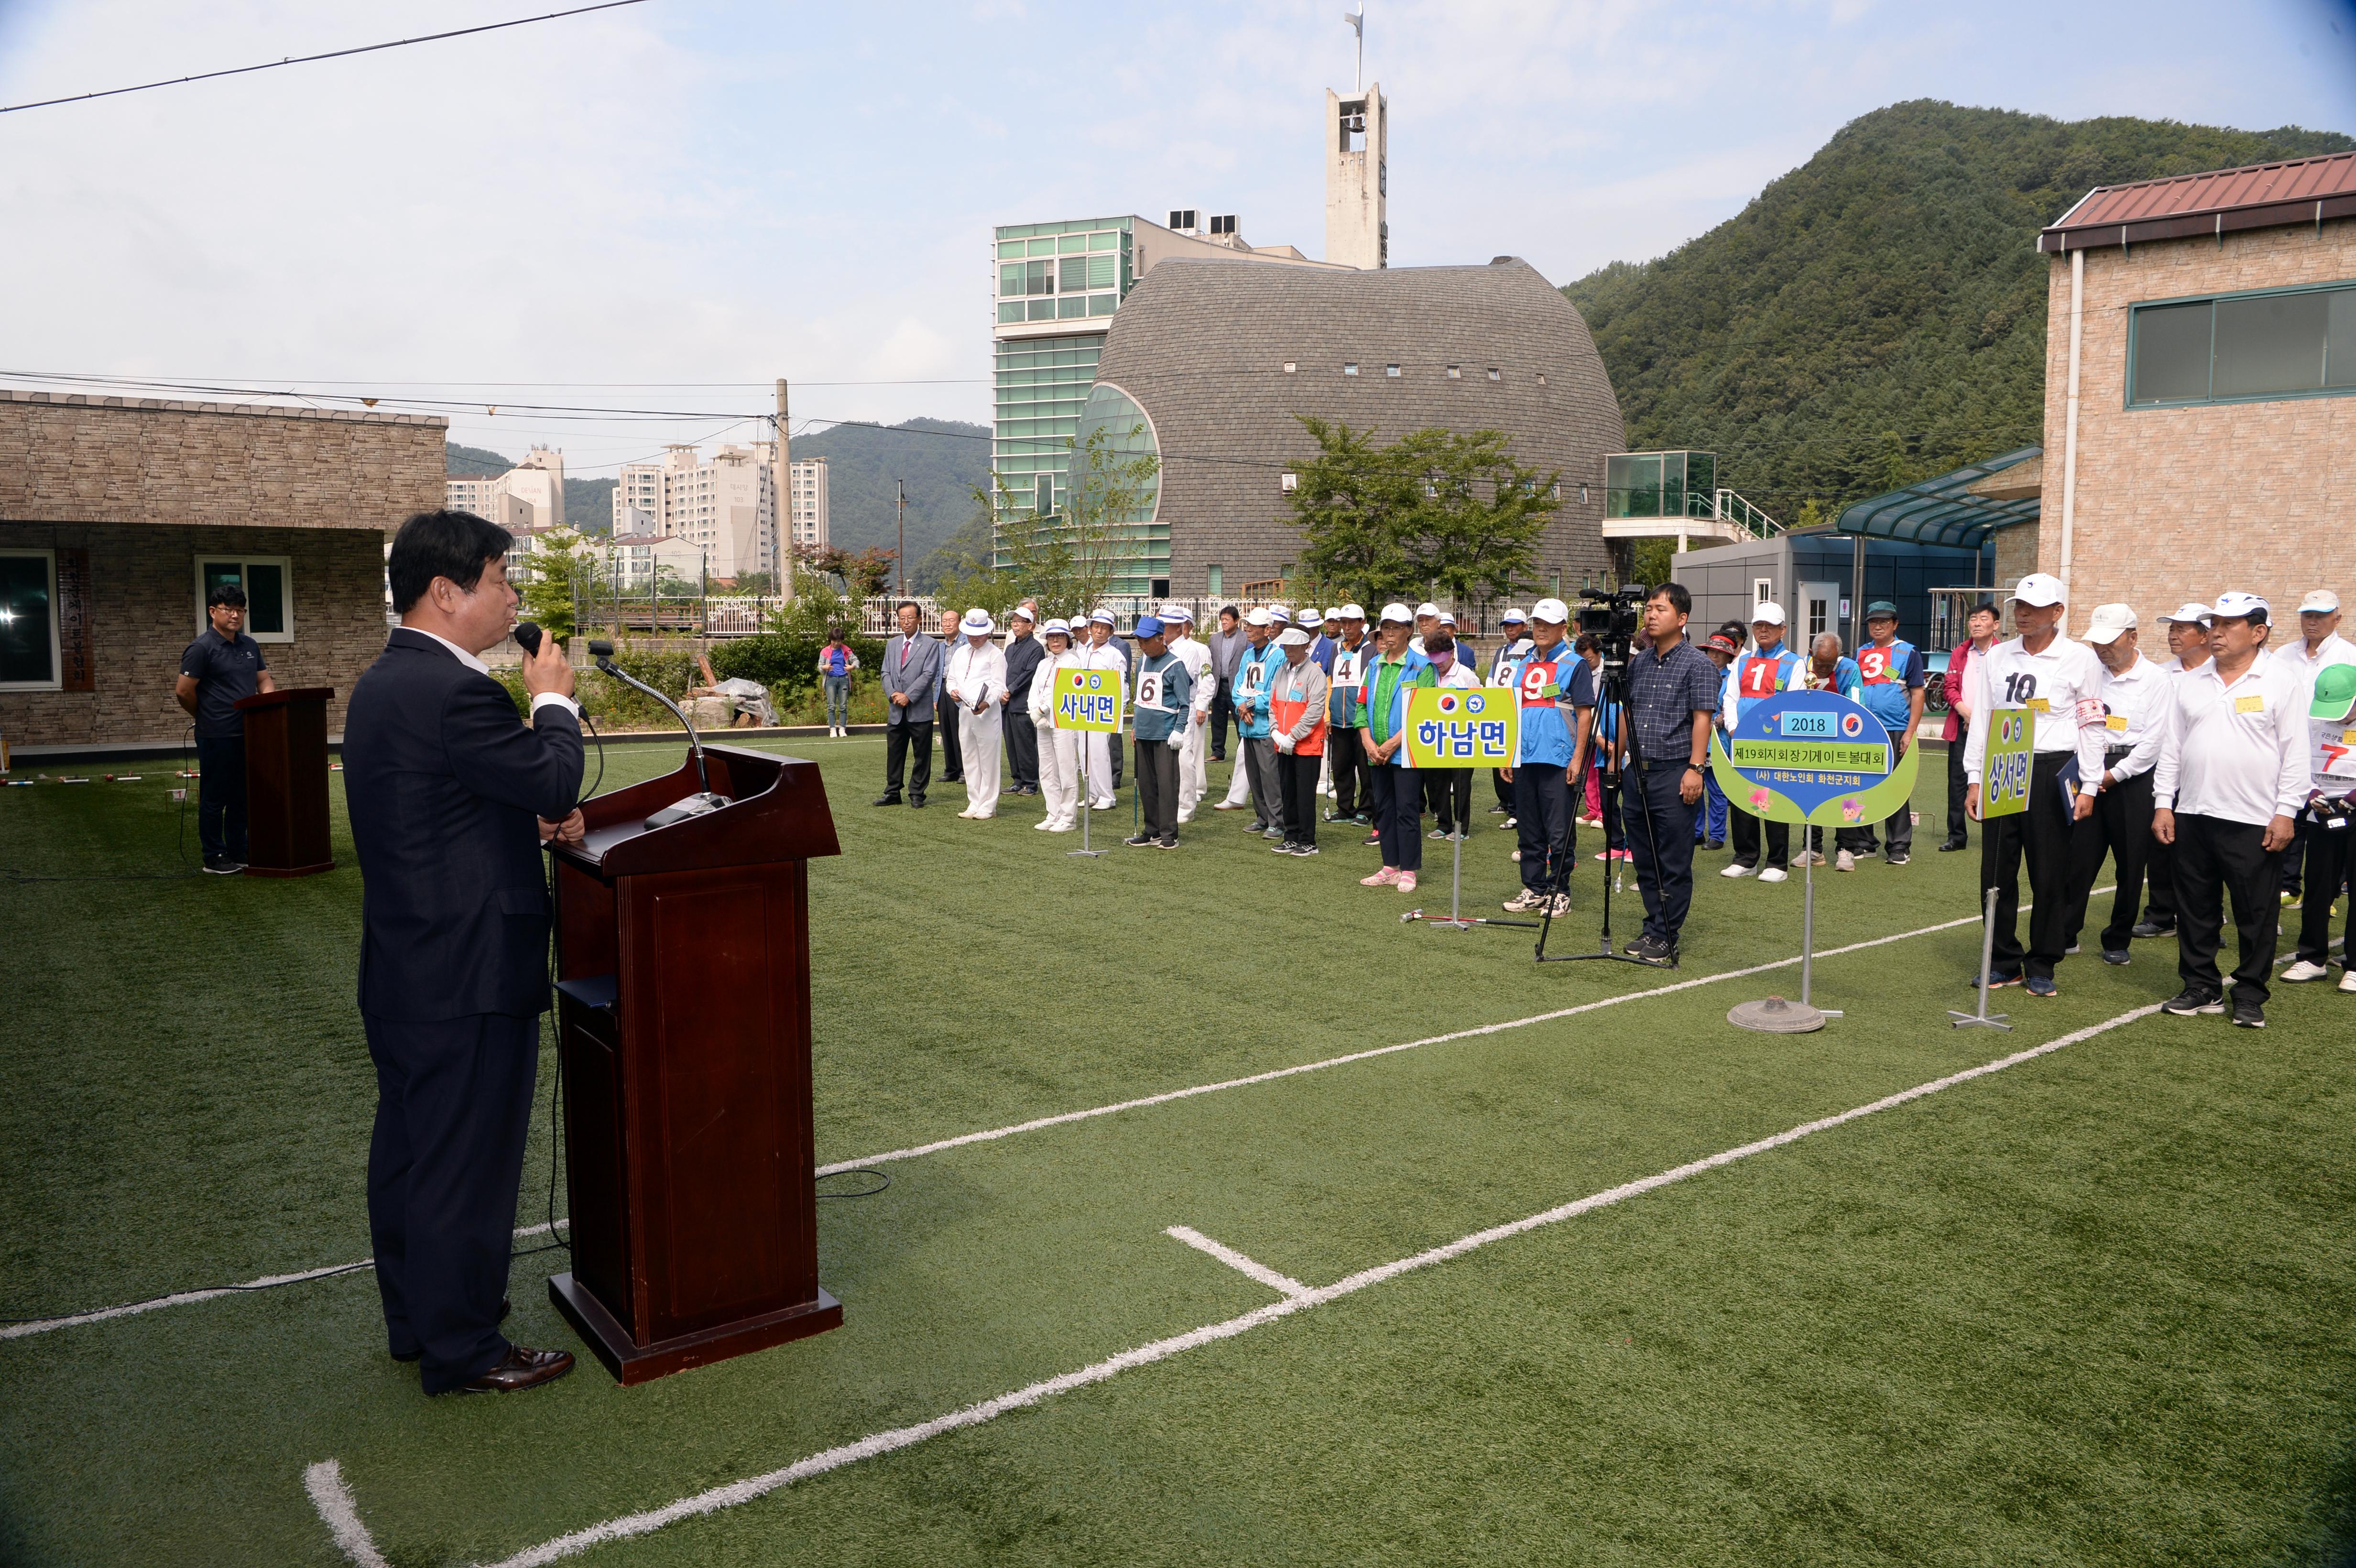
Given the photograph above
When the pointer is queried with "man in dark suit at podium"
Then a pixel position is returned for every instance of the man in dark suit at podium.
(450, 795)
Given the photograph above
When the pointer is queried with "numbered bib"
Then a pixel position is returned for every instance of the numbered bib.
(1758, 677)
(1149, 690)
(1538, 684)
(1254, 676)
(1346, 665)
(1875, 663)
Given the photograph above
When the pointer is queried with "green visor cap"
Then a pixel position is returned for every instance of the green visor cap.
(2335, 693)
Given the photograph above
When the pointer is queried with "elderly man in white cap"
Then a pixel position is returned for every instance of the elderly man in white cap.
(2231, 776)
(1023, 655)
(1248, 695)
(2061, 684)
(1773, 667)
(2136, 695)
(1193, 770)
(2318, 645)
(976, 684)
(1427, 618)
(1101, 752)
(1059, 749)
(2188, 648)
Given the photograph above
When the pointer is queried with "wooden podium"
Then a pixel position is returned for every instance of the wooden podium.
(287, 782)
(683, 1032)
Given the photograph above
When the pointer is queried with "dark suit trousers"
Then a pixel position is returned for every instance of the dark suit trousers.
(1542, 826)
(2041, 833)
(2121, 827)
(1021, 746)
(1747, 830)
(1655, 816)
(952, 761)
(2328, 855)
(453, 1099)
(896, 738)
(2215, 860)
(1223, 708)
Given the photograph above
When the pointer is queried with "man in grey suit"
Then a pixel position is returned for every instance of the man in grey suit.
(912, 673)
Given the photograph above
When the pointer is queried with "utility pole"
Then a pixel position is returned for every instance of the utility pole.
(785, 512)
(900, 557)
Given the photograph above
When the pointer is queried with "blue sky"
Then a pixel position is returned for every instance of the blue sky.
(684, 192)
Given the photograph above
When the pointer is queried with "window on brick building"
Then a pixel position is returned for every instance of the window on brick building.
(28, 621)
(269, 584)
(2279, 343)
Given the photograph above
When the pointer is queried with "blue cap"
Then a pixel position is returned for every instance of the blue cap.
(1147, 626)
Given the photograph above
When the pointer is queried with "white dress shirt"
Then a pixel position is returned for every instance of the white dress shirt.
(2134, 711)
(2236, 751)
(544, 699)
(2060, 687)
(1197, 660)
(2293, 654)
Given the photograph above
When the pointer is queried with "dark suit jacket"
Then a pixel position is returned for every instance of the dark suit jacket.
(443, 783)
(921, 680)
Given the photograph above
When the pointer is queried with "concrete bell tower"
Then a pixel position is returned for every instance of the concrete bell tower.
(1357, 182)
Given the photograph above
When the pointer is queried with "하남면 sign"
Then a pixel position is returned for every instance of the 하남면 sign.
(1467, 726)
(1812, 757)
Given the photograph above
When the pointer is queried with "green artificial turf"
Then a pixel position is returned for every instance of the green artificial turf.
(2093, 1310)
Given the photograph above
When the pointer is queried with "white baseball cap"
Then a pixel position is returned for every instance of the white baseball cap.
(2319, 601)
(1023, 612)
(1768, 612)
(1399, 613)
(2039, 590)
(1054, 627)
(2110, 620)
(1446, 619)
(1554, 611)
(1353, 611)
(1426, 608)
(1103, 618)
(1259, 618)
(1294, 638)
(1281, 612)
(2236, 605)
(2190, 614)
(1513, 617)
(977, 623)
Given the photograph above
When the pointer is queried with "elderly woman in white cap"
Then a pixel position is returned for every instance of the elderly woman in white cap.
(976, 683)
(1194, 776)
(1059, 749)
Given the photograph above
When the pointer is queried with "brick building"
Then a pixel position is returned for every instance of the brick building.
(2207, 439)
(116, 515)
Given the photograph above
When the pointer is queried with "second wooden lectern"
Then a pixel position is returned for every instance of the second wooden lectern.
(684, 1036)
(287, 782)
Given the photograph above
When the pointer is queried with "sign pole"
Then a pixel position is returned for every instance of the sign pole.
(1982, 1018)
(1808, 932)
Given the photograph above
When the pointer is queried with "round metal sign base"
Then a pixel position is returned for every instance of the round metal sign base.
(1776, 1016)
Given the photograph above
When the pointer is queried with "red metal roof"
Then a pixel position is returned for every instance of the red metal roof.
(2259, 195)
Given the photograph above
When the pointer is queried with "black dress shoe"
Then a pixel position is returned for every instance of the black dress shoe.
(916, 801)
(506, 1307)
(520, 1368)
(1952, 845)
(885, 800)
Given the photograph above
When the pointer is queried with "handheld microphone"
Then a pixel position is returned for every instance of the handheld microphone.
(695, 805)
(527, 636)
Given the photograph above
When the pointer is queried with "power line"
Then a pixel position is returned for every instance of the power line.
(307, 59)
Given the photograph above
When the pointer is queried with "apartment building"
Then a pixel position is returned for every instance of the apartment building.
(529, 496)
(726, 505)
(809, 503)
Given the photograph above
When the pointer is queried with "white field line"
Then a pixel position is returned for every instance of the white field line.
(182, 1298)
(1040, 1123)
(325, 1482)
(882, 1443)
(1283, 1284)
(17, 1330)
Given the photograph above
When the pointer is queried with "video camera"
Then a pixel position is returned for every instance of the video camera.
(1613, 617)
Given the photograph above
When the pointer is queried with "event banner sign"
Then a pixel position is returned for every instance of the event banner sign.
(1088, 700)
(1472, 726)
(2004, 770)
(1814, 757)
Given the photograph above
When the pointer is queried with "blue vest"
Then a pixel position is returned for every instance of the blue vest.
(1883, 672)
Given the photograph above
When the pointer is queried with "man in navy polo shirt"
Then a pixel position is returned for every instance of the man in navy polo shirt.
(219, 667)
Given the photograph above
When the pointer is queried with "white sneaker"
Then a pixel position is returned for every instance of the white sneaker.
(1844, 861)
(1737, 869)
(1059, 826)
(2304, 970)
(1185, 817)
(2348, 980)
(1807, 857)
(1773, 874)
(1044, 824)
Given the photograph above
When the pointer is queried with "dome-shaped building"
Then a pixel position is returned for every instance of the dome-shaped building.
(1210, 365)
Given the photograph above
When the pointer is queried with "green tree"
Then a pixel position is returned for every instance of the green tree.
(1437, 511)
(1066, 560)
(560, 579)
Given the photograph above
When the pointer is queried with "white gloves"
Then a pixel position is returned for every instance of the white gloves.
(1178, 741)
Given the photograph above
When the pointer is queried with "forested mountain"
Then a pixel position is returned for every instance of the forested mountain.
(940, 460)
(1877, 315)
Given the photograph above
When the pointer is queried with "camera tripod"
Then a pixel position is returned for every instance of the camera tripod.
(1611, 698)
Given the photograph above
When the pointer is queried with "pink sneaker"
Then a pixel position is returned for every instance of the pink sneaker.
(1384, 878)
(1406, 883)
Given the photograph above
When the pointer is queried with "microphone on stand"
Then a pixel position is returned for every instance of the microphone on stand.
(695, 804)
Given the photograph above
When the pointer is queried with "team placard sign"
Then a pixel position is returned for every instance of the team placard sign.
(1088, 700)
(1812, 756)
(2004, 770)
(1468, 727)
